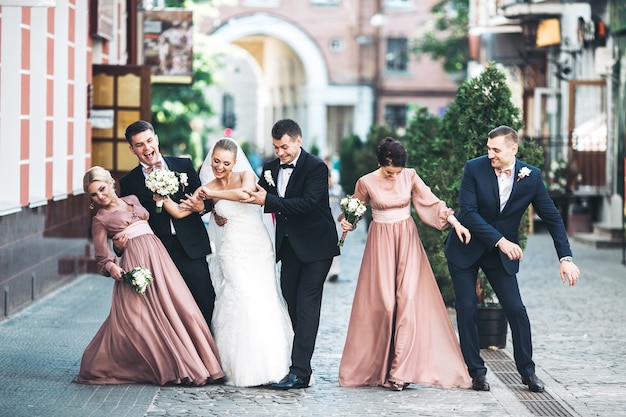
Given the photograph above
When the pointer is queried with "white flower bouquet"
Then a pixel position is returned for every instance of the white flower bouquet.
(139, 278)
(353, 209)
(165, 183)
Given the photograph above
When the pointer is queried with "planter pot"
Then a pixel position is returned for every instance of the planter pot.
(492, 327)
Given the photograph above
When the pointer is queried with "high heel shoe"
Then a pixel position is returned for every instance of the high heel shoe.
(394, 386)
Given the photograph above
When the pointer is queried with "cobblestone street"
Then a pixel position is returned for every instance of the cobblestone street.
(578, 337)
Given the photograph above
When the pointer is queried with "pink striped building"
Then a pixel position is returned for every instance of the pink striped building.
(47, 49)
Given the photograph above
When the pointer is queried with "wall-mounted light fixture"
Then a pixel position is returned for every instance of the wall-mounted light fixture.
(529, 31)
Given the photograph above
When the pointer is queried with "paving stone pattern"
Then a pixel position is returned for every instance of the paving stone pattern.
(578, 336)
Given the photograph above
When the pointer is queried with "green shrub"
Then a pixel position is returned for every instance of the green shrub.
(438, 151)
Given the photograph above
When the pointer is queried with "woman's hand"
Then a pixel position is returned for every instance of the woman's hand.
(346, 226)
(204, 193)
(462, 232)
(116, 272)
(119, 243)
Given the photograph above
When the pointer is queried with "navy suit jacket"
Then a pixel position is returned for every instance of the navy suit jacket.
(479, 211)
(190, 231)
(304, 213)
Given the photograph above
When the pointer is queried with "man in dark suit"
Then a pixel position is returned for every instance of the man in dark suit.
(295, 188)
(496, 189)
(186, 239)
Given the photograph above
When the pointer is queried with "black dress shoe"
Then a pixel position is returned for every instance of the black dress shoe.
(291, 381)
(534, 383)
(479, 383)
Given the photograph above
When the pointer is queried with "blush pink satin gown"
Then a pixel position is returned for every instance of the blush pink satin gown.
(399, 327)
(160, 338)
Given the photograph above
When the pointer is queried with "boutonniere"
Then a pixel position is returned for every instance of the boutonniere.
(523, 173)
(268, 177)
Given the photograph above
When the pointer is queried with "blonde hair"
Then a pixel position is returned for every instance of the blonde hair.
(97, 173)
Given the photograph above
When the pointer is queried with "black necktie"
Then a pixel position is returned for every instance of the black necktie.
(283, 166)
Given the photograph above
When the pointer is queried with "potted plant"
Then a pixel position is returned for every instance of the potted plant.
(490, 317)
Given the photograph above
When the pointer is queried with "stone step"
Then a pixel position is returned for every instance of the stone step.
(608, 231)
(597, 240)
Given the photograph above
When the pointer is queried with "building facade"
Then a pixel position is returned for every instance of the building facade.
(335, 66)
(47, 52)
(564, 62)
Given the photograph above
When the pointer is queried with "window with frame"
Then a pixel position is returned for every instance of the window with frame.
(325, 2)
(398, 3)
(336, 45)
(395, 115)
(397, 55)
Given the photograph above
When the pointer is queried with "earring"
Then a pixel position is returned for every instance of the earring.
(91, 207)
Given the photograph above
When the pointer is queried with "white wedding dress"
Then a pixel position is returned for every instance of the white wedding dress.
(251, 325)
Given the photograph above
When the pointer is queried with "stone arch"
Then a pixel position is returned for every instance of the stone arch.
(316, 92)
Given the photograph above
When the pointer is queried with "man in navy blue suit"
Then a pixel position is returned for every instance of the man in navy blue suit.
(186, 239)
(294, 187)
(496, 189)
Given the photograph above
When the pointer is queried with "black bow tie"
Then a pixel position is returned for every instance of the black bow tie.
(283, 166)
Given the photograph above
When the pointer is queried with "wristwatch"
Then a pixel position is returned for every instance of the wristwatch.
(203, 212)
(566, 259)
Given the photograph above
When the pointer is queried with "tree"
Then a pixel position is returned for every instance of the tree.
(439, 152)
(447, 40)
(359, 158)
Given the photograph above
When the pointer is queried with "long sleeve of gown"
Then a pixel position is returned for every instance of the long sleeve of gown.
(104, 257)
(430, 209)
(360, 192)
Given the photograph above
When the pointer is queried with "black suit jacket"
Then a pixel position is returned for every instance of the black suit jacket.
(190, 231)
(304, 213)
(479, 211)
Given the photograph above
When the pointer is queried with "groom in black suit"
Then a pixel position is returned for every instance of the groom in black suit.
(186, 239)
(295, 188)
(496, 189)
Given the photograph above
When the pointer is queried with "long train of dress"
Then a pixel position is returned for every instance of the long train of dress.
(399, 327)
(160, 337)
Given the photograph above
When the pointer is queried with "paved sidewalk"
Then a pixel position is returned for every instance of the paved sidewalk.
(578, 336)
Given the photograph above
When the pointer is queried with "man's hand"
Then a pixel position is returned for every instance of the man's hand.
(510, 249)
(192, 203)
(569, 272)
(256, 197)
(119, 243)
(219, 220)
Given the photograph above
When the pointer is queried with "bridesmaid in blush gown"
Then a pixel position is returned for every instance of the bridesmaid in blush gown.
(160, 337)
(399, 331)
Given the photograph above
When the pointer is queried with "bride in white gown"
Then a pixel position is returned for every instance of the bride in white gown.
(251, 325)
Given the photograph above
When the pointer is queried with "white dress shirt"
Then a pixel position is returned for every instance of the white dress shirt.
(505, 185)
(283, 177)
